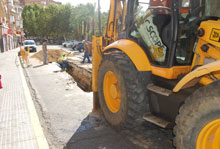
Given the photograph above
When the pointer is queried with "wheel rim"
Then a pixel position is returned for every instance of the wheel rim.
(209, 137)
(111, 92)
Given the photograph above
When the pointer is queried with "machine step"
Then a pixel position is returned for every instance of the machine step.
(156, 120)
(159, 90)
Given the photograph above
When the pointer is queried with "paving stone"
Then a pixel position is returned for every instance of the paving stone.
(16, 131)
(29, 144)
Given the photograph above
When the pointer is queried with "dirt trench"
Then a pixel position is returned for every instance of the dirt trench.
(52, 56)
(82, 73)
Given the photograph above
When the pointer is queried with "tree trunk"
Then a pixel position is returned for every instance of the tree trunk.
(88, 30)
(80, 31)
(93, 25)
(85, 24)
(64, 37)
(99, 16)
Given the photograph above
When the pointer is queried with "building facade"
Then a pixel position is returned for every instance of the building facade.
(11, 24)
(3, 28)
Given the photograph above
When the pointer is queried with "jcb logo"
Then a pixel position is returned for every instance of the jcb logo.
(215, 35)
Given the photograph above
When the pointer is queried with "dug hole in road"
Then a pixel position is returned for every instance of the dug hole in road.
(65, 114)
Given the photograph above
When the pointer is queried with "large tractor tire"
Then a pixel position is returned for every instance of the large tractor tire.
(122, 91)
(198, 122)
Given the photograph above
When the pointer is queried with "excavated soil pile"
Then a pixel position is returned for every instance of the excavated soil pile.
(52, 56)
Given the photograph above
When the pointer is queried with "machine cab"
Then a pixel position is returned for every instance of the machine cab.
(159, 29)
(166, 30)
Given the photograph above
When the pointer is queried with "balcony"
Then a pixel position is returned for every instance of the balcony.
(13, 11)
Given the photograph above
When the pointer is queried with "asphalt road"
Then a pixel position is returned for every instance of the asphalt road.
(64, 112)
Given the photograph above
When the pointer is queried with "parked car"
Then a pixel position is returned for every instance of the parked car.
(74, 44)
(31, 44)
(66, 42)
(70, 44)
(59, 42)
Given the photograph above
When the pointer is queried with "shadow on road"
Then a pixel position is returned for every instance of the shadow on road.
(97, 134)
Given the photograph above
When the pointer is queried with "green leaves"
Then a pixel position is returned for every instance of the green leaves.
(61, 21)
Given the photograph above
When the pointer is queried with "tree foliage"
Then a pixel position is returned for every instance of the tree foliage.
(61, 21)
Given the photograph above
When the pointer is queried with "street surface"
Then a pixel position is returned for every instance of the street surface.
(65, 115)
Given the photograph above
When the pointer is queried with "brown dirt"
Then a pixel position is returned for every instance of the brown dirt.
(82, 75)
(52, 56)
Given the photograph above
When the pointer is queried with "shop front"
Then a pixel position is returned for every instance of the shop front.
(3, 38)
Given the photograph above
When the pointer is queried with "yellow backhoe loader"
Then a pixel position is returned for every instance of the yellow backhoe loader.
(159, 60)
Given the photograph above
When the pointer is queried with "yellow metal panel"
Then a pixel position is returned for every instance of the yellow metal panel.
(97, 57)
(115, 22)
(205, 80)
(110, 23)
(199, 57)
(170, 73)
(209, 137)
(199, 72)
(134, 52)
(212, 32)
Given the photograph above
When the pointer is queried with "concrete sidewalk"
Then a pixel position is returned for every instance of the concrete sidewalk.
(19, 123)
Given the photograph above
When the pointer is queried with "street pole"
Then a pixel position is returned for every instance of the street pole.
(99, 17)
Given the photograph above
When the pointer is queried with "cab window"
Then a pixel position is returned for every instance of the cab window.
(186, 33)
(152, 23)
(191, 12)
